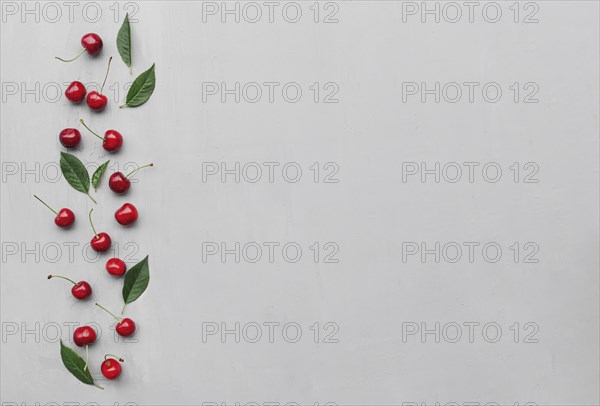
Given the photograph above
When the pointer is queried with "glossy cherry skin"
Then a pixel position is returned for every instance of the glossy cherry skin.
(96, 101)
(127, 214)
(101, 242)
(81, 290)
(112, 141)
(116, 267)
(65, 218)
(111, 368)
(69, 137)
(92, 43)
(75, 93)
(84, 335)
(118, 183)
(125, 327)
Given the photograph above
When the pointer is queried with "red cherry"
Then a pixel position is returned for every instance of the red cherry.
(96, 100)
(101, 242)
(120, 183)
(92, 43)
(80, 290)
(75, 92)
(112, 140)
(124, 327)
(69, 137)
(111, 368)
(64, 218)
(116, 267)
(84, 335)
(126, 215)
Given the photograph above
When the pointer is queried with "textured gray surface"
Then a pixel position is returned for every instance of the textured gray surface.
(369, 213)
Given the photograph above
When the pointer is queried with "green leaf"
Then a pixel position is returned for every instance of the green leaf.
(74, 172)
(136, 281)
(97, 176)
(75, 364)
(124, 41)
(141, 88)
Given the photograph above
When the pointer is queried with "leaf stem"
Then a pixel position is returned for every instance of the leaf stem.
(141, 167)
(70, 60)
(91, 223)
(123, 310)
(98, 386)
(45, 204)
(89, 129)
(109, 312)
(62, 277)
(114, 356)
(93, 200)
(105, 77)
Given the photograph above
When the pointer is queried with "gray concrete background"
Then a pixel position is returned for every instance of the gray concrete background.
(375, 294)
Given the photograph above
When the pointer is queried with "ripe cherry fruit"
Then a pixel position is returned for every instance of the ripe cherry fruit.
(111, 368)
(125, 327)
(92, 43)
(96, 100)
(80, 290)
(64, 217)
(69, 137)
(75, 93)
(84, 335)
(120, 183)
(126, 214)
(112, 140)
(101, 242)
(116, 267)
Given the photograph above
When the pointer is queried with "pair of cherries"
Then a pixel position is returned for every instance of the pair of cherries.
(71, 137)
(92, 44)
(96, 101)
(125, 215)
(101, 242)
(82, 290)
(85, 335)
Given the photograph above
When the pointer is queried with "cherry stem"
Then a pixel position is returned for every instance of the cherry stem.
(45, 204)
(70, 60)
(62, 277)
(91, 223)
(86, 357)
(115, 357)
(135, 170)
(108, 311)
(106, 77)
(89, 129)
